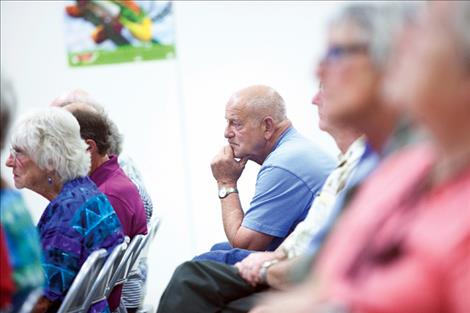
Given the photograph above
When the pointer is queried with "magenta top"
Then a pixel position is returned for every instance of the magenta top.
(123, 195)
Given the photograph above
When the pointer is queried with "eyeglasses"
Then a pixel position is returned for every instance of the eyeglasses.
(338, 52)
(17, 154)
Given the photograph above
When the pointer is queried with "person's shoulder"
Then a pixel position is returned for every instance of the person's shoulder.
(296, 146)
(407, 160)
(76, 193)
(399, 170)
(121, 186)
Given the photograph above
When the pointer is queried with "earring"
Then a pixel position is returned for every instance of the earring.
(49, 180)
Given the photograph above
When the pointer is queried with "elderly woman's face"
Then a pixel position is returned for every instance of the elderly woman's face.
(350, 81)
(429, 81)
(26, 173)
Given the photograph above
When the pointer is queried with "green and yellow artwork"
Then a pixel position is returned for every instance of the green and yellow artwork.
(117, 31)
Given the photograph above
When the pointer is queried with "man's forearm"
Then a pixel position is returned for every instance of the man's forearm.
(278, 275)
(232, 216)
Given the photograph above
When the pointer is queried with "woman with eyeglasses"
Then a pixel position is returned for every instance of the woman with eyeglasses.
(49, 157)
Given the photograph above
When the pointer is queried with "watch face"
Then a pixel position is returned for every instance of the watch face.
(222, 192)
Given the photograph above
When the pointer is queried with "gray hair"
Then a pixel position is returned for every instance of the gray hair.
(378, 24)
(51, 138)
(262, 99)
(461, 25)
(79, 96)
(7, 107)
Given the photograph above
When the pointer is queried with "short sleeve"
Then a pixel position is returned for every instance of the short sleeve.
(281, 201)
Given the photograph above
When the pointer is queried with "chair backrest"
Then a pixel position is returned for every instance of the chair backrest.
(133, 252)
(122, 271)
(75, 298)
(98, 289)
(149, 238)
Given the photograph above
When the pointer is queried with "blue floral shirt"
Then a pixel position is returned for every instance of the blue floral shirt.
(77, 222)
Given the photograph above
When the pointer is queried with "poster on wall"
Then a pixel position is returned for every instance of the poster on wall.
(118, 31)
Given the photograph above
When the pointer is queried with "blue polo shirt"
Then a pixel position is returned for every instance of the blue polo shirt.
(286, 185)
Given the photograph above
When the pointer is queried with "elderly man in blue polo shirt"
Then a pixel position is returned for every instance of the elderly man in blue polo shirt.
(292, 171)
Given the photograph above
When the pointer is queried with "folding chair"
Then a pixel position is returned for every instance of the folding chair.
(149, 238)
(133, 254)
(30, 301)
(74, 301)
(121, 273)
(144, 245)
(98, 289)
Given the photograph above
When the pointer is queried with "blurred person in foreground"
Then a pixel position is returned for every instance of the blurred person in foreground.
(49, 157)
(404, 243)
(20, 263)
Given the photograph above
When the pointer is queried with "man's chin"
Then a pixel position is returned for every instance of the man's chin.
(237, 155)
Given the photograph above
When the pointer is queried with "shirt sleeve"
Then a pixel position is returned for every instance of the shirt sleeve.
(281, 201)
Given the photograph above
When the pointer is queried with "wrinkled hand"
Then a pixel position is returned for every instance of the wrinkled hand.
(250, 266)
(225, 168)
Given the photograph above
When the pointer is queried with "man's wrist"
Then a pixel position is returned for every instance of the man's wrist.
(226, 184)
(224, 192)
(263, 272)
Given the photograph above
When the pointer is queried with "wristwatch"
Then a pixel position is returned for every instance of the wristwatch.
(263, 272)
(225, 191)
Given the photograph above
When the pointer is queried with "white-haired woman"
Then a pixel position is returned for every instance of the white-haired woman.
(49, 157)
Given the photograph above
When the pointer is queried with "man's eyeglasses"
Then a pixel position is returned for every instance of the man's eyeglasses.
(338, 52)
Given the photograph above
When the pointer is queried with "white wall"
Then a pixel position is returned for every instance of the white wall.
(172, 112)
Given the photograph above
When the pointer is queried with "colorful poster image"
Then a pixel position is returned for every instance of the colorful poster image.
(117, 31)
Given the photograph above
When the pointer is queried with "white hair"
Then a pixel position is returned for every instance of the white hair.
(461, 25)
(262, 99)
(378, 24)
(51, 138)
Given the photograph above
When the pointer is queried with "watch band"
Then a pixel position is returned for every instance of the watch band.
(225, 191)
(263, 272)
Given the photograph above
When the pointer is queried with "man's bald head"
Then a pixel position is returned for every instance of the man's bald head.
(260, 101)
(80, 106)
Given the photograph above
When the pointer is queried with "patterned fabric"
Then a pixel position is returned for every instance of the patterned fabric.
(322, 207)
(77, 222)
(22, 242)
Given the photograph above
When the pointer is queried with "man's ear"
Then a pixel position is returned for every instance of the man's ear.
(92, 147)
(268, 126)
